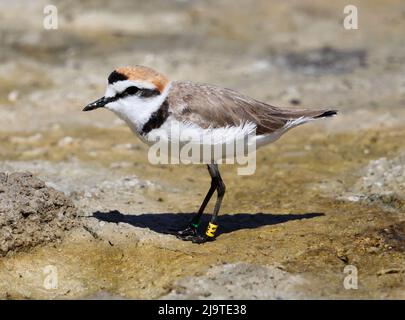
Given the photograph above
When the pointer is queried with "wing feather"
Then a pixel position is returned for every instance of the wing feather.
(212, 106)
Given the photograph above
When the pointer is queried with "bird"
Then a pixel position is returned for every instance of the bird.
(150, 103)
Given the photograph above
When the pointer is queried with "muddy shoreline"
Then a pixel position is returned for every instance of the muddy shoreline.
(326, 196)
(311, 233)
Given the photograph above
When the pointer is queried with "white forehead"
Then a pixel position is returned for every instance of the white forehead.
(120, 86)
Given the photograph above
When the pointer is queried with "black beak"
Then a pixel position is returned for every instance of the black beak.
(97, 104)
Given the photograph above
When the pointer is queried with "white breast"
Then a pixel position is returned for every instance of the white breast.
(176, 135)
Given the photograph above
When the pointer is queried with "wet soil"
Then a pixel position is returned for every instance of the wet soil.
(327, 195)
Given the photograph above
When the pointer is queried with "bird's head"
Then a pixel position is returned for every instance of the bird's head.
(132, 90)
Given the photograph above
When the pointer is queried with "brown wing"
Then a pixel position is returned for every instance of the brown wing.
(208, 105)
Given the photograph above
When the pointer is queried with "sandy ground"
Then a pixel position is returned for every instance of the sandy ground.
(327, 195)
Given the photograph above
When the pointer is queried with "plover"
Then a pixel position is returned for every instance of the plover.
(148, 102)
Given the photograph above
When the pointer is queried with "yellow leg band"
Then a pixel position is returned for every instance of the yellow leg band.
(211, 230)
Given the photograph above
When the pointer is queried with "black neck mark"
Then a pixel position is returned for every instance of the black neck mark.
(157, 118)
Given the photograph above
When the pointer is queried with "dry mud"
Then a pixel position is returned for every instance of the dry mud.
(31, 213)
(327, 195)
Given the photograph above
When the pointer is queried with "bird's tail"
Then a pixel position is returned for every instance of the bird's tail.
(272, 119)
(309, 114)
(298, 117)
(291, 119)
(325, 114)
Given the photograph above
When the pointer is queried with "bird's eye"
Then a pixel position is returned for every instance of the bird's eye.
(131, 90)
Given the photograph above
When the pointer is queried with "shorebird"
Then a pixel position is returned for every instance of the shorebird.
(148, 102)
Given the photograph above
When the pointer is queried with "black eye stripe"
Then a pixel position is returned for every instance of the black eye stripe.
(140, 92)
(144, 93)
(133, 90)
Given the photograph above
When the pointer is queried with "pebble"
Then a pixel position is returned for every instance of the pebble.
(66, 141)
(119, 165)
(353, 198)
(390, 271)
(22, 140)
(13, 96)
(372, 250)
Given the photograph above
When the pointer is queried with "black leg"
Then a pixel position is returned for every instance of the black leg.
(214, 183)
(220, 186)
(221, 192)
(190, 230)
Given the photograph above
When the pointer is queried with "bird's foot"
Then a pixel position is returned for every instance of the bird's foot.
(188, 233)
(195, 238)
(202, 239)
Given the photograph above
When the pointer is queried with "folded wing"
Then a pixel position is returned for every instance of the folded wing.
(212, 106)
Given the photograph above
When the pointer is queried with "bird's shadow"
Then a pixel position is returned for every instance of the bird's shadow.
(167, 223)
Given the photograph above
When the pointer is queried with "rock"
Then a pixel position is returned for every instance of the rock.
(31, 213)
(382, 183)
(295, 102)
(239, 281)
(390, 271)
(65, 141)
(384, 174)
(13, 96)
(372, 250)
(120, 165)
(26, 140)
(342, 255)
(353, 198)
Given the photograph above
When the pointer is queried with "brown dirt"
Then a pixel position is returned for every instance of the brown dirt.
(31, 213)
(326, 195)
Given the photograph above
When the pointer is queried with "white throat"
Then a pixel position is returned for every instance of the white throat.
(136, 111)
